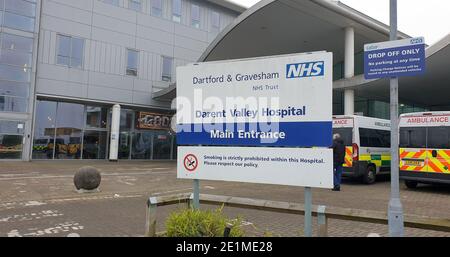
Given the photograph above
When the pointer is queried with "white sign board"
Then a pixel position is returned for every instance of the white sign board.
(272, 101)
(304, 167)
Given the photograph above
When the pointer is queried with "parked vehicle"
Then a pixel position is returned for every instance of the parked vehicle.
(367, 142)
(425, 148)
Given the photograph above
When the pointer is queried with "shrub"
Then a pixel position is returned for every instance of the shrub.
(198, 223)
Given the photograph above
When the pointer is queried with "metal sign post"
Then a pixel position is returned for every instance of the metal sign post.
(196, 194)
(395, 210)
(308, 212)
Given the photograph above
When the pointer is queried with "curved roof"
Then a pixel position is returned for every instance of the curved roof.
(273, 27)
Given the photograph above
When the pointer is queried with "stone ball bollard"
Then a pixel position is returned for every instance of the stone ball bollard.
(87, 178)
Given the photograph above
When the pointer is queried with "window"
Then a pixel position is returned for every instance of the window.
(96, 117)
(19, 14)
(167, 69)
(21, 7)
(13, 104)
(11, 139)
(413, 137)
(215, 21)
(16, 43)
(346, 135)
(176, 10)
(113, 2)
(438, 138)
(15, 75)
(374, 138)
(135, 5)
(44, 132)
(69, 131)
(157, 8)
(132, 63)
(69, 128)
(70, 51)
(11, 88)
(195, 16)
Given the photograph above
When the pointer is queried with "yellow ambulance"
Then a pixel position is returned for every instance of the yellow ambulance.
(368, 146)
(425, 148)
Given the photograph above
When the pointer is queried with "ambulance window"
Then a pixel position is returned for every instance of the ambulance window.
(374, 138)
(346, 135)
(413, 137)
(438, 137)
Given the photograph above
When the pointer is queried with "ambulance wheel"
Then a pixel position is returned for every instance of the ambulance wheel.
(370, 176)
(411, 184)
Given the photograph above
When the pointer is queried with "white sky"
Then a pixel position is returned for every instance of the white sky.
(430, 18)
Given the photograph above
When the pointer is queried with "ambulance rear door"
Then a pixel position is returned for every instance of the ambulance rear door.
(438, 144)
(413, 143)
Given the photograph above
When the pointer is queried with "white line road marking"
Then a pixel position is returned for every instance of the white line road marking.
(103, 174)
(59, 228)
(116, 196)
(126, 180)
(34, 203)
(31, 216)
(209, 187)
(16, 175)
(243, 223)
(13, 205)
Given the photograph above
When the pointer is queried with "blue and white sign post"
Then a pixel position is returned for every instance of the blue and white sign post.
(263, 120)
(395, 58)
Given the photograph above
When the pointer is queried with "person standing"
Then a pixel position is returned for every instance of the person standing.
(338, 160)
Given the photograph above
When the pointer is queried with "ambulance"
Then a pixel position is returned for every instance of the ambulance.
(367, 146)
(425, 148)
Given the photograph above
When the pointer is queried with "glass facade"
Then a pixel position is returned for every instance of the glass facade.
(338, 69)
(70, 131)
(15, 72)
(16, 62)
(77, 131)
(143, 144)
(18, 14)
(11, 139)
(371, 108)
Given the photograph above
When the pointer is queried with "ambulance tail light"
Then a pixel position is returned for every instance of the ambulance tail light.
(355, 152)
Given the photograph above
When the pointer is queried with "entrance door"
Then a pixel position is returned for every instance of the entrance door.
(413, 149)
(162, 145)
(94, 145)
(438, 150)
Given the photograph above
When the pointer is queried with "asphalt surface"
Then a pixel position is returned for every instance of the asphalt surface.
(39, 199)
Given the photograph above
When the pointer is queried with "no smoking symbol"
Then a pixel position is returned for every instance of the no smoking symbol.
(190, 162)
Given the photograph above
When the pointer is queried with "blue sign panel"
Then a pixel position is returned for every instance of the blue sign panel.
(307, 134)
(394, 59)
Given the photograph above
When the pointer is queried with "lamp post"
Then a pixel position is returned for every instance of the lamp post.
(395, 210)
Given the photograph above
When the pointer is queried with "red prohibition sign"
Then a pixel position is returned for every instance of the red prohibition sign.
(190, 162)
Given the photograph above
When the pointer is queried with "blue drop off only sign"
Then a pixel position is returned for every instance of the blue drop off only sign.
(394, 58)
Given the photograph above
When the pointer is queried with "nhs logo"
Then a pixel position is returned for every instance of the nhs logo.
(304, 70)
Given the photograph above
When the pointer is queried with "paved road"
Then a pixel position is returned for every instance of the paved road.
(39, 199)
